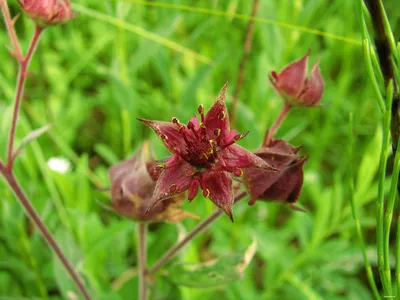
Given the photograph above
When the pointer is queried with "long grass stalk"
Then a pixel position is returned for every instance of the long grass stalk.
(368, 268)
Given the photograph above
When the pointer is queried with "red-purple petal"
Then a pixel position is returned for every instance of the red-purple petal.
(314, 87)
(287, 188)
(217, 117)
(174, 179)
(292, 78)
(218, 186)
(235, 156)
(168, 133)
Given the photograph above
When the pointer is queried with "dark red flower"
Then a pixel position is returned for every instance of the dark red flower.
(292, 83)
(47, 12)
(133, 182)
(285, 184)
(205, 155)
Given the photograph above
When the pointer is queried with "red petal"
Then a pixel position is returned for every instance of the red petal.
(219, 185)
(235, 156)
(193, 189)
(287, 188)
(217, 117)
(314, 86)
(170, 131)
(280, 155)
(173, 180)
(292, 78)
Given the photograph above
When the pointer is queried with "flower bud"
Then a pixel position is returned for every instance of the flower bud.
(283, 185)
(133, 182)
(47, 12)
(294, 86)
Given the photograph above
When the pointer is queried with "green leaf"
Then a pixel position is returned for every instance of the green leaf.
(31, 137)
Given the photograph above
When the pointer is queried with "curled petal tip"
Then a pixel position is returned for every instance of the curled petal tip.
(230, 214)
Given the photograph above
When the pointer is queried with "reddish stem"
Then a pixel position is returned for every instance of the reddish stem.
(22, 74)
(30, 210)
(271, 132)
(6, 170)
(248, 39)
(200, 228)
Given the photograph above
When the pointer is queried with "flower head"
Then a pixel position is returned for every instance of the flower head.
(47, 12)
(204, 156)
(133, 182)
(292, 83)
(285, 184)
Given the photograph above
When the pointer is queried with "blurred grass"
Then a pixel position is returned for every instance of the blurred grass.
(95, 75)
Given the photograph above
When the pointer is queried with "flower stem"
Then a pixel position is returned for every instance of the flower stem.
(30, 210)
(247, 48)
(199, 229)
(271, 132)
(142, 234)
(22, 74)
(7, 169)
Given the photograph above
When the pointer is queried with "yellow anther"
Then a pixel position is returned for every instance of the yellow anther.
(206, 193)
(190, 172)
(222, 115)
(202, 125)
(200, 109)
(217, 132)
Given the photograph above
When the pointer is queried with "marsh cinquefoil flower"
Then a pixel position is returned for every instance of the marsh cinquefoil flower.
(204, 155)
(47, 12)
(283, 185)
(133, 182)
(294, 86)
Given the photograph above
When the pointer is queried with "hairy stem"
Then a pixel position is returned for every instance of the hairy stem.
(22, 74)
(30, 210)
(271, 132)
(142, 234)
(247, 48)
(199, 229)
(7, 169)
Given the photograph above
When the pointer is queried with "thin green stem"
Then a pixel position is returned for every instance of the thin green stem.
(368, 268)
(398, 258)
(391, 200)
(142, 258)
(380, 201)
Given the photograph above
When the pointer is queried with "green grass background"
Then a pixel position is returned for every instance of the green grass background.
(95, 75)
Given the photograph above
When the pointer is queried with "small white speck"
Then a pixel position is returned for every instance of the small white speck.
(59, 164)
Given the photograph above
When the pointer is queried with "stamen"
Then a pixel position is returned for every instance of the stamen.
(217, 132)
(200, 109)
(163, 137)
(238, 172)
(190, 126)
(176, 121)
(222, 115)
(173, 188)
(190, 172)
(206, 193)
(158, 168)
